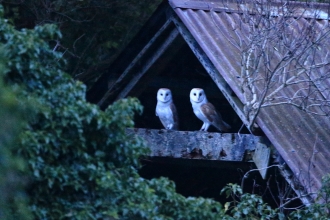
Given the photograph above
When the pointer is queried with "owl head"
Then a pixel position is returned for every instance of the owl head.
(197, 95)
(164, 95)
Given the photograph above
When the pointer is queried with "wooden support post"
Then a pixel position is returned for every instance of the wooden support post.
(261, 158)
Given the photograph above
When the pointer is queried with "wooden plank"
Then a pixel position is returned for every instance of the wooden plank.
(197, 144)
(152, 74)
(173, 35)
(142, 53)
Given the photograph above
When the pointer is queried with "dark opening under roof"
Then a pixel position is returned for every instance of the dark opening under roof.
(208, 27)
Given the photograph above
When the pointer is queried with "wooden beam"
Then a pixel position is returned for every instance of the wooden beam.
(197, 144)
(233, 165)
(135, 61)
(165, 45)
(152, 74)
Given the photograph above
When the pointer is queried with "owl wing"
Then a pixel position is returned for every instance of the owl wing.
(214, 117)
(175, 116)
(209, 111)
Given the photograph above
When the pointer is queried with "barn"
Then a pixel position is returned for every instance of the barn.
(263, 64)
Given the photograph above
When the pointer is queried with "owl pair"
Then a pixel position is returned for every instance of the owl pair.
(203, 109)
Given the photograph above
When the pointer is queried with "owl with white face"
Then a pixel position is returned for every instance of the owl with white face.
(206, 112)
(166, 110)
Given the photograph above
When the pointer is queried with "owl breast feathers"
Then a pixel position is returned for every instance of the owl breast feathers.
(166, 110)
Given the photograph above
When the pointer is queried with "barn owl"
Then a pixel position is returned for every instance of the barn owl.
(205, 111)
(166, 110)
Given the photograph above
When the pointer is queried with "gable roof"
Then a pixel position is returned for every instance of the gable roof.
(301, 138)
(207, 26)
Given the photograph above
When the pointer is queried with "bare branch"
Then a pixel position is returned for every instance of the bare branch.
(283, 52)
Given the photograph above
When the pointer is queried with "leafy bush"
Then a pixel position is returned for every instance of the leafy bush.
(81, 162)
(247, 206)
(13, 200)
(321, 208)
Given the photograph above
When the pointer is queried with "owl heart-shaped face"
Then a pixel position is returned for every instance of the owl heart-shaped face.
(197, 95)
(164, 95)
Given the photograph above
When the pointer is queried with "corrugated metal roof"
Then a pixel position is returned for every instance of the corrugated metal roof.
(301, 138)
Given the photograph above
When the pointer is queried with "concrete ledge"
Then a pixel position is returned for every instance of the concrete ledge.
(197, 144)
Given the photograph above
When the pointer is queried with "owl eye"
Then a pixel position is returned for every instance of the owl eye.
(161, 94)
(200, 94)
(166, 94)
(194, 94)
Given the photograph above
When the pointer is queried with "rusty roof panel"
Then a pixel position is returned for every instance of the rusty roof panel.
(302, 139)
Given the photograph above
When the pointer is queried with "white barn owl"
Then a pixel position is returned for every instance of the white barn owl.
(166, 110)
(206, 112)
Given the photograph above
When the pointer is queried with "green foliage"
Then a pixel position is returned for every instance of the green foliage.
(251, 206)
(319, 210)
(13, 201)
(81, 162)
(247, 206)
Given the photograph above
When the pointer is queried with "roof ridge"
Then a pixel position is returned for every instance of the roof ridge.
(304, 9)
